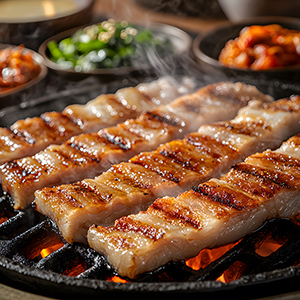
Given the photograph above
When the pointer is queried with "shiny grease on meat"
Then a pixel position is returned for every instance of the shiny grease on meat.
(219, 211)
(29, 136)
(132, 186)
(88, 155)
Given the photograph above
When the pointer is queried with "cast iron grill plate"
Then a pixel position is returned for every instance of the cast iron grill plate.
(26, 233)
(23, 268)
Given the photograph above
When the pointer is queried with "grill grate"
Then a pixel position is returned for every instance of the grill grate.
(33, 240)
(246, 255)
(76, 271)
(25, 236)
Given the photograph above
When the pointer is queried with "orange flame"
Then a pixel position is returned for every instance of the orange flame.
(117, 279)
(206, 256)
(235, 271)
(46, 251)
(221, 278)
(238, 268)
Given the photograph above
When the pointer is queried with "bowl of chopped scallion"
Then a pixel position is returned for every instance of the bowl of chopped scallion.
(112, 47)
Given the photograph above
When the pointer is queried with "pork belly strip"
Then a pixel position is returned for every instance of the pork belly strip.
(132, 186)
(88, 155)
(214, 213)
(29, 136)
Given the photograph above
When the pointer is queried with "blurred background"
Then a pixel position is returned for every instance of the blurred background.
(32, 22)
(37, 23)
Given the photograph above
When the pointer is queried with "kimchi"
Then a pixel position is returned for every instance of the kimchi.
(17, 67)
(262, 47)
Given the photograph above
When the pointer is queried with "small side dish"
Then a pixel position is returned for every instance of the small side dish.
(17, 67)
(262, 47)
(109, 44)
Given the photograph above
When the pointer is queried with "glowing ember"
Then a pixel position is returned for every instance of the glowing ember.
(76, 270)
(117, 279)
(45, 252)
(3, 219)
(76, 267)
(41, 244)
(296, 219)
(267, 248)
(235, 271)
(238, 268)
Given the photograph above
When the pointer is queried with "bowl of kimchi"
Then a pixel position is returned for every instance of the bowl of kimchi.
(20, 69)
(267, 47)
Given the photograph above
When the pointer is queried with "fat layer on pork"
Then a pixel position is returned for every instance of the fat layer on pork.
(264, 186)
(88, 155)
(132, 186)
(31, 135)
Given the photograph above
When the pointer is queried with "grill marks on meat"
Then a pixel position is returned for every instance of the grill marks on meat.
(264, 186)
(173, 168)
(178, 161)
(29, 136)
(83, 156)
(88, 155)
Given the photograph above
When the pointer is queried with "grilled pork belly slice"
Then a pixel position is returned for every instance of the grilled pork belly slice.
(88, 155)
(174, 167)
(29, 136)
(214, 213)
(83, 156)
